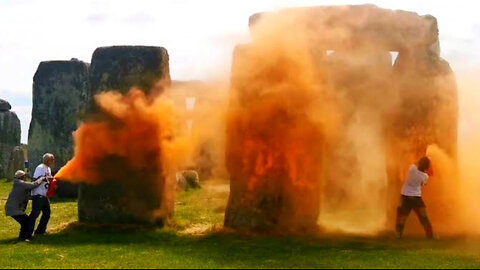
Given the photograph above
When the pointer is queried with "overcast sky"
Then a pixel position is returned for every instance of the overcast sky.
(199, 34)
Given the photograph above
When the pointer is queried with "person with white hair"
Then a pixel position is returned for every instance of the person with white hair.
(40, 201)
(17, 202)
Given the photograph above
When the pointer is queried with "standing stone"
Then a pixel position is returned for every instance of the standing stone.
(427, 114)
(127, 194)
(9, 135)
(123, 67)
(5, 105)
(336, 27)
(274, 181)
(17, 161)
(59, 97)
(187, 179)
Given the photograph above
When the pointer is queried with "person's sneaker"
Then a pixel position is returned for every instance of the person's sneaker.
(27, 240)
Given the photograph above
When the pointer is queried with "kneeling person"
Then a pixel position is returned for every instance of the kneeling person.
(17, 203)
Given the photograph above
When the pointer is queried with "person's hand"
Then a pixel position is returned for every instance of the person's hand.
(430, 171)
(40, 180)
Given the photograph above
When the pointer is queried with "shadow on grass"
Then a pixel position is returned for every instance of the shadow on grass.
(62, 200)
(85, 234)
(232, 249)
(9, 241)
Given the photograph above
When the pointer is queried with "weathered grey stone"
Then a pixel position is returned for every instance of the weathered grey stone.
(4, 105)
(9, 128)
(5, 152)
(339, 27)
(254, 19)
(66, 189)
(97, 207)
(59, 97)
(17, 161)
(264, 195)
(123, 67)
(427, 114)
(60, 91)
(9, 138)
(188, 179)
(127, 194)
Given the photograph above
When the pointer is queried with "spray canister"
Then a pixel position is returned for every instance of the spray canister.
(26, 166)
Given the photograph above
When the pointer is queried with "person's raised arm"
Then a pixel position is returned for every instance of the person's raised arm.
(425, 181)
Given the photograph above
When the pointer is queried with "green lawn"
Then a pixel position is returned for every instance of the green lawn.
(195, 240)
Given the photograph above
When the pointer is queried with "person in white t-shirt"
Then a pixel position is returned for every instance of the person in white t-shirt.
(412, 197)
(40, 202)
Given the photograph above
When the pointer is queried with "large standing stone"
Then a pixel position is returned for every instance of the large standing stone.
(9, 136)
(17, 161)
(128, 195)
(337, 27)
(60, 91)
(123, 67)
(274, 183)
(427, 114)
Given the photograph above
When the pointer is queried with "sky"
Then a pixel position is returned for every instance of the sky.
(199, 34)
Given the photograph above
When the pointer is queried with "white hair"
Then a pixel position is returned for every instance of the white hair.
(47, 156)
(19, 174)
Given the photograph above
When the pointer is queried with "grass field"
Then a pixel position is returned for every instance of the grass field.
(195, 240)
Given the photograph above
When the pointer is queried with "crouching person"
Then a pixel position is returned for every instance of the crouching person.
(17, 203)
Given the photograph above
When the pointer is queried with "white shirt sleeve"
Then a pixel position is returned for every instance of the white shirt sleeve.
(425, 181)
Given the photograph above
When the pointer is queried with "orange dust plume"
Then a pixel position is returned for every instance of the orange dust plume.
(135, 127)
(323, 121)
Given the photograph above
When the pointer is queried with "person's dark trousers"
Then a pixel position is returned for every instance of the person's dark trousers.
(23, 220)
(416, 204)
(40, 204)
